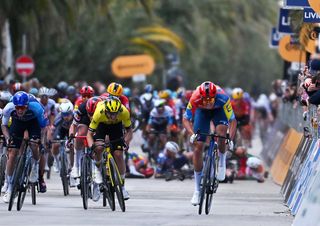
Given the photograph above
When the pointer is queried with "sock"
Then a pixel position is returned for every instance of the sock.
(77, 157)
(222, 159)
(9, 184)
(197, 178)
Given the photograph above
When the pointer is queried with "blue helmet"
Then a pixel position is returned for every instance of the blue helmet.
(148, 88)
(127, 91)
(20, 98)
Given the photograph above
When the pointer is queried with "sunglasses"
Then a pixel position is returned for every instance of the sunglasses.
(66, 114)
(111, 115)
(21, 108)
(86, 95)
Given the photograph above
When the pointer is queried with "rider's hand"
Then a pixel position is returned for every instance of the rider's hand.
(193, 138)
(231, 145)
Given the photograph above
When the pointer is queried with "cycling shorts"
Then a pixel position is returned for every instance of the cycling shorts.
(60, 133)
(18, 127)
(115, 133)
(203, 117)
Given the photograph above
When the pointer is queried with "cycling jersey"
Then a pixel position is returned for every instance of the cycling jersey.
(61, 127)
(100, 116)
(240, 108)
(79, 101)
(34, 111)
(164, 118)
(50, 108)
(222, 101)
(81, 115)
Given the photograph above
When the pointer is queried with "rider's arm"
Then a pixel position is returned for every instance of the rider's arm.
(127, 124)
(187, 117)
(231, 118)
(128, 136)
(90, 138)
(5, 119)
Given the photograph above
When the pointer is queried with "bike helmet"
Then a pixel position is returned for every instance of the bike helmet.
(127, 91)
(113, 105)
(66, 108)
(208, 90)
(44, 91)
(71, 90)
(92, 104)
(164, 94)
(159, 103)
(172, 146)
(5, 96)
(20, 98)
(115, 89)
(17, 87)
(34, 91)
(237, 93)
(87, 91)
(148, 88)
(62, 86)
(253, 162)
(52, 91)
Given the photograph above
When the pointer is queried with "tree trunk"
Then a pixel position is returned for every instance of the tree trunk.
(6, 71)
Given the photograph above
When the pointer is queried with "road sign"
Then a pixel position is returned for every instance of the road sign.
(310, 16)
(315, 5)
(25, 66)
(128, 66)
(284, 23)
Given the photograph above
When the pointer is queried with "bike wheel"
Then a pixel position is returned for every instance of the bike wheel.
(84, 181)
(209, 192)
(33, 193)
(24, 186)
(108, 192)
(205, 181)
(64, 174)
(3, 163)
(117, 183)
(16, 181)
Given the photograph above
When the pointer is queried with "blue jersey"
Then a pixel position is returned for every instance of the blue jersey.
(35, 110)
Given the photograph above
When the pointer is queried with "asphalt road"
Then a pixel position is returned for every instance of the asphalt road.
(156, 202)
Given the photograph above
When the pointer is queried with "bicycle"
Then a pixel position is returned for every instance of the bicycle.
(64, 170)
(208, 183)
(3, 162)
(112, 179)
(20, 179)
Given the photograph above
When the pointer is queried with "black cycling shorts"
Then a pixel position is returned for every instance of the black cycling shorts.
(115, 133)
(60, 133)
(18, 127)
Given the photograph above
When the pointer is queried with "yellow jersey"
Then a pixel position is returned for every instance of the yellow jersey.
(100, 116)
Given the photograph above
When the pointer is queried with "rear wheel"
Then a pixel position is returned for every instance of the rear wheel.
(117, 183)
(33, 193)
(24, 186)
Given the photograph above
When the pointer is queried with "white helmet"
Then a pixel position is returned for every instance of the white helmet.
(254, 162)
(5, 95)
(172, 146)
(44, 91)
(159, 103)
(66, 107)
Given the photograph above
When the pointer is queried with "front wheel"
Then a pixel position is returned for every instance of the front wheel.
(85, 181)
(117, 183)
(205, 182)
(64, 173)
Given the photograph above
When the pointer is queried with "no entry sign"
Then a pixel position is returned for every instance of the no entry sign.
(25, 65)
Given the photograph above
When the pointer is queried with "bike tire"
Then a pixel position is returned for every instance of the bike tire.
(209, 191)
(108, 192)
(24, 186)
(117, 185)
(16, 181)
(3, 162)
(33, 193)
(84, 182)
(204, 183)
(64, 174)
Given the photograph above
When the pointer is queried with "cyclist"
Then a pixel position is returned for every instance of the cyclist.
(61, 127)
(160, 121)
(110, 118)
(5, 97)
(242, 110)
(28, 116)
(116, 90)
(208, 103)
(81, 121)
(86, 92)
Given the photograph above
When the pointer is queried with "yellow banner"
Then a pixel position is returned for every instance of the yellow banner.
(291, 52)
(315, 5)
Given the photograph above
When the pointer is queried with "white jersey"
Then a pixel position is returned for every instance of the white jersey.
(50, 108)
(165, 117)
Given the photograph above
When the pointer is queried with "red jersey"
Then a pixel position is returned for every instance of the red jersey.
(240, 108)
(79, 101)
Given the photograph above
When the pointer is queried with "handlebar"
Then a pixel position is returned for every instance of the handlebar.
(214, 135)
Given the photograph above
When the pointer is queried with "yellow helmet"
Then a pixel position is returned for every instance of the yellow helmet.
(113, 105)
(163, 94)
(115, 89)
(237, 93)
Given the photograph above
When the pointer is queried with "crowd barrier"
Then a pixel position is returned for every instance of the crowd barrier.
(292, 151)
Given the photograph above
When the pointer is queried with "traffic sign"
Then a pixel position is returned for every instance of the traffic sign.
(25, 66)
(128, 66)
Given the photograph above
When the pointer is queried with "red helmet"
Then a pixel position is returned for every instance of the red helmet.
(208, 90)
(148, 172)
(92, 104)
(87, 91)
(17, 87)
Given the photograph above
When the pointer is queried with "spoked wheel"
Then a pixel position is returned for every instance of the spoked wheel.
(212, 184)
(24, 186)
(117, 185)
(64, 174)
(204, 183)
(85, 181)
(16, 181)
(108, 192)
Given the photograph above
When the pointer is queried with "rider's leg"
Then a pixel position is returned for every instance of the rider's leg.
(221, 130)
